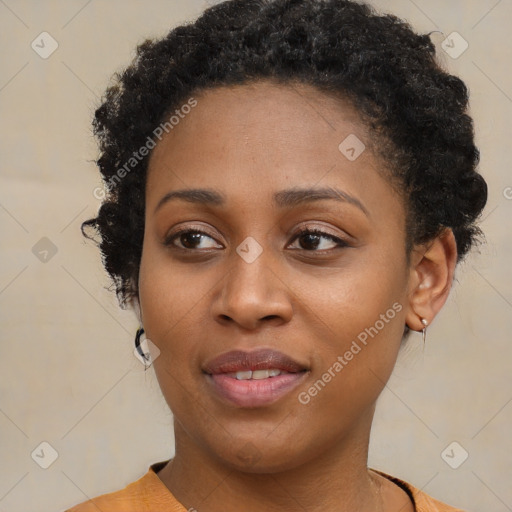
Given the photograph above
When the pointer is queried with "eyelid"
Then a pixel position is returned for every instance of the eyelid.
(310, 226)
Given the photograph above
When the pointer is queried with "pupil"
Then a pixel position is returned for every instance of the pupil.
(190, 236)
(311, 239)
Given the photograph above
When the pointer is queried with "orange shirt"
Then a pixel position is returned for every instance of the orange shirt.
(149, 494)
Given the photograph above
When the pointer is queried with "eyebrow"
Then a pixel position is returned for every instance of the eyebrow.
(283, 199)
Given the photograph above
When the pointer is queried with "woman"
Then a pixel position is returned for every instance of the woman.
(289, 187)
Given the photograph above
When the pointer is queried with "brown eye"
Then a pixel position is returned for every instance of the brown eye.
(311, 240)
(190, 239)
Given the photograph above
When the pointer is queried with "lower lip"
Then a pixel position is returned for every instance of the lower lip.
(255, 392)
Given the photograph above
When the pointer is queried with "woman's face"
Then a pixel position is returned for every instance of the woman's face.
(242, 278)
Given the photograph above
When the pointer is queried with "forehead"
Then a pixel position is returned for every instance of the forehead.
(251, 140)
(263, 109)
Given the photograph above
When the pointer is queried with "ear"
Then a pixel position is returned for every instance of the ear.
(431, 276)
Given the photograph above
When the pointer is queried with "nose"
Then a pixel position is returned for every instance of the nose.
(252, 294)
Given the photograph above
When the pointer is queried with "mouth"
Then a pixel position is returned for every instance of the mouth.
(253, 379)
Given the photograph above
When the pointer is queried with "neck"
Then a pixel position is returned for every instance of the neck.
(336, 480)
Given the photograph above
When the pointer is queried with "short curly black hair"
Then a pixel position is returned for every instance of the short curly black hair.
(415, 110)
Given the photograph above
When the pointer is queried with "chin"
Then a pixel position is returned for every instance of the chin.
(258, 457)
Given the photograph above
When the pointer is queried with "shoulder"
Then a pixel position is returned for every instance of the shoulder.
(147, 494)
(127, 499)
(422, 501)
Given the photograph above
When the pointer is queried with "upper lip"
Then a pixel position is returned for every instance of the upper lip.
(239, 360)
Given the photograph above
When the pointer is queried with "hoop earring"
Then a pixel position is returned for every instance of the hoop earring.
(424, 330)
(145, 357)
(138, 334)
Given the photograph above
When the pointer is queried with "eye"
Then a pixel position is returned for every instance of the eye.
(312, 239)
(190, 239)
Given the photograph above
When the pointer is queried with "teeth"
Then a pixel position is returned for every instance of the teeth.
(258, 374)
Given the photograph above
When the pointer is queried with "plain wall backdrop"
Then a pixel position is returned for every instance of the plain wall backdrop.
(68, 376)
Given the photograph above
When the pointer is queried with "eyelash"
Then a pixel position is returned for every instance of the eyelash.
(168, 242)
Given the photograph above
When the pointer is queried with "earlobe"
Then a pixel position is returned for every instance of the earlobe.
(431, 278)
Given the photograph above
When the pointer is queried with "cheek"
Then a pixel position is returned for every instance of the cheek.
(354, 297)
(175, 302)
(170, 294)
(170, 303)
(359, 317)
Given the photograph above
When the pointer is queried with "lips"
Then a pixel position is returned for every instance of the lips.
(263, 359)
(253, 379)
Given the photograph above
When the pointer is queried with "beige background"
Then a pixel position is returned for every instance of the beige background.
(68, 374)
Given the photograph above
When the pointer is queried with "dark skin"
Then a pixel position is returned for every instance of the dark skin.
(308, 298)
